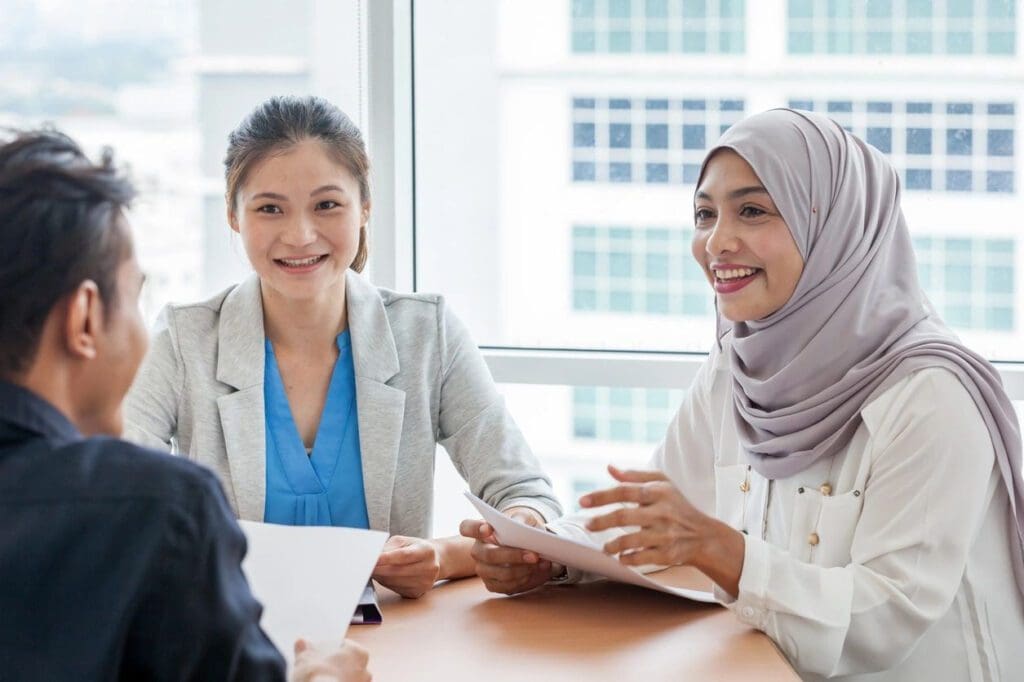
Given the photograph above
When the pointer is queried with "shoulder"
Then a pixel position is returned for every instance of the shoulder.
(931, 404)
(412, 308)
(421, 318)
(194, 317)
(927, 392)
(111, 468)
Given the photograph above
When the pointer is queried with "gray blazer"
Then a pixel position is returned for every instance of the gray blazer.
(420, 381)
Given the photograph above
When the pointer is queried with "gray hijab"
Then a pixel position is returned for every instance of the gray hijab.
(858, 321)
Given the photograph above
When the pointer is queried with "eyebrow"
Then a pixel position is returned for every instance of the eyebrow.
(326, 188)
(270, 195)
(736, 193)
(281, 197)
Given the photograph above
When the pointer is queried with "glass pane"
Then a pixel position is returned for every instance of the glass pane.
(534, 150)
(163, 83)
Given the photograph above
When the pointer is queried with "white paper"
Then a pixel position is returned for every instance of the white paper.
(572, 553)
(308, 578)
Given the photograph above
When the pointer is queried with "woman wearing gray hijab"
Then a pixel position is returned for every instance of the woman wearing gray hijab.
(843, 468)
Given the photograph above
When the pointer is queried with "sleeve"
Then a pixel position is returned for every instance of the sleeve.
(151, 406)
(478, 432)
(685, 455)
(927, 492)
(200, 621)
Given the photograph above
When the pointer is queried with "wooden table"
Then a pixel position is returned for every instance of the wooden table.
(592, 632)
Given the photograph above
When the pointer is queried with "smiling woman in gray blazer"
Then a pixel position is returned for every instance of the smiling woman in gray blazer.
(316, 397)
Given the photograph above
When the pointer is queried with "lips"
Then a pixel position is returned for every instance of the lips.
(731, 278)
(300, 264)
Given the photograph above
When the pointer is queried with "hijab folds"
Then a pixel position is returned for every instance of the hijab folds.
(858, 321)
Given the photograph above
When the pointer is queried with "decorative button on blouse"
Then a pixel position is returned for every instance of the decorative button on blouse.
(813, 539)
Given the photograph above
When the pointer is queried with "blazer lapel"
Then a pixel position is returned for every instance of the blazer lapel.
(240, 358)
(381, 408)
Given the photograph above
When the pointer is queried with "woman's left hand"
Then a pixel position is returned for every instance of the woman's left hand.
(671, 530)
(409, 566)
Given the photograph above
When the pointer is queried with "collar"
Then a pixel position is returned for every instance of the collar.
(241, 336)
(28, 411)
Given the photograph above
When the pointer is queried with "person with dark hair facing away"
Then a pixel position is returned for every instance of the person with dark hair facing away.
(116, 562)
(318, 398)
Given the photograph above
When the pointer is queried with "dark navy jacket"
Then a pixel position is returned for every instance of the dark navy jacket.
(117, 562)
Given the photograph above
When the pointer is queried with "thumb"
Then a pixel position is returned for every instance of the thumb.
(635, 475)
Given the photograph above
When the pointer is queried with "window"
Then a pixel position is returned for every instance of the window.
(620, 414)
(649, 140)
(658, 26)
(163, 83)
(912, 27)
(956, 146)
(970, 281)
(554, 174)
(637, 271)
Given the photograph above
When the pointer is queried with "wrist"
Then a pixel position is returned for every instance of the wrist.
(721, 555)
(444, 560)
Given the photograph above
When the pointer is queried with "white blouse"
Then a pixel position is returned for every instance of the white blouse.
(889, 561)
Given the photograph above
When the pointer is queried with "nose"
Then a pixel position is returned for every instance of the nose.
(299, 232)
(722, 237)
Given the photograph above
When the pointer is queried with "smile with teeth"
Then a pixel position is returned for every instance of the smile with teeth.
(301, 262)
(735, 273)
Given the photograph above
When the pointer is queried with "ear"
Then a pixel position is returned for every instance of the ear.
(232, 216)
(83, 321)
(365, 215)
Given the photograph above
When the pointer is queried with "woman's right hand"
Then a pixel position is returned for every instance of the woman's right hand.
(330, 663)
(506, 570)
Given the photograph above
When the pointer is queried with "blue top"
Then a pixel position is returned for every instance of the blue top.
(324, 488)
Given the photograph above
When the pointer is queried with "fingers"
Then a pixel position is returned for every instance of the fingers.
(405, 570)
(422, 551)
(495, 554)
(326, 662)
(516, 583)
(358, 652)
(641, 539)
(629, 492)
(635, 475)
(476, 529)
(511, 573)
(646, 556)
(624, 516)
(410, 587)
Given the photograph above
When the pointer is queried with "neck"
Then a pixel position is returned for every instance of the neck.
(54, 382)
(308, 323)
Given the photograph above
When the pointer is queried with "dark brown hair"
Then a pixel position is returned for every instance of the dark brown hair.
(281, 122)
(60, 224)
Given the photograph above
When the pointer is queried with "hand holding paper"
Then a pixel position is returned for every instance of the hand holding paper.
(506, 569)
(550, 548)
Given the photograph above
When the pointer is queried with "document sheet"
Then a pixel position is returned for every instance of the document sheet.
(308, 578)
(572, 553)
